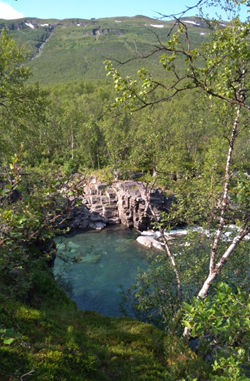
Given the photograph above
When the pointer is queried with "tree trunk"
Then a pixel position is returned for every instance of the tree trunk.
(213, 274)
(72, 142)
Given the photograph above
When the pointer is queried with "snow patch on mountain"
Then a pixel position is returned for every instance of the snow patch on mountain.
(157, 25)
(30, 25)
(192, 22)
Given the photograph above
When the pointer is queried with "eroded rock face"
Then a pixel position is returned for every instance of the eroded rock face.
(132, 205)
(128, 202)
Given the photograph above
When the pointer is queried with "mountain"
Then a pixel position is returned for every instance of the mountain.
(74, 49)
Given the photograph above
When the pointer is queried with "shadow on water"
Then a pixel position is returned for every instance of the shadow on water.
(109, 258)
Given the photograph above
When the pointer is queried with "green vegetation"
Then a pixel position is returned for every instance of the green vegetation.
(195, 147)
(77, 48)
(53, 341)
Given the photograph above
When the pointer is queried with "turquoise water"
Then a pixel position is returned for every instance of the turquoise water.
(109, 258)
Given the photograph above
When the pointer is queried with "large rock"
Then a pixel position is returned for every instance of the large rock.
(149, 242)
(97, 225)
(128, 202)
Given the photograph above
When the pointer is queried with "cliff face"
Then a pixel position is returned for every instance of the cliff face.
(127, 202)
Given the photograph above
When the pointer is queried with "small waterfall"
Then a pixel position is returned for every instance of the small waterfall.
(42, 46)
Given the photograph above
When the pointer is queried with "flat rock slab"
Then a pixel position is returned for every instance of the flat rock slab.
(149, 242)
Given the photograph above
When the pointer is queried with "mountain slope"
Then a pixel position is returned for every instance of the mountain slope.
(74, 49)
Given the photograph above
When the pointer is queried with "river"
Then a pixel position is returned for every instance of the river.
(107, 259)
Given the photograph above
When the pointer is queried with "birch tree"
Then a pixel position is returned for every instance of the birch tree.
(220, 69)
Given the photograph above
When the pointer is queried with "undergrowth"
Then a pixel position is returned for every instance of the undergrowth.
(49, 339)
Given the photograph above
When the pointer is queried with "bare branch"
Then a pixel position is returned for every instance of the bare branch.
(181, 14)
(27, 374)
(175, 269)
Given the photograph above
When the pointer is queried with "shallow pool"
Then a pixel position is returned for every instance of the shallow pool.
(109, 258)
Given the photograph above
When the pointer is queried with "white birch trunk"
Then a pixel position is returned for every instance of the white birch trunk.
(72, 142)
(213, 274)
(214, 269)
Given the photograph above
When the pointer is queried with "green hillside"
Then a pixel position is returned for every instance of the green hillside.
(74, 49)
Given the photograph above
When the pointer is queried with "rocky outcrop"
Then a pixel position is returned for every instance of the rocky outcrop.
(99, 31)
(128, 202)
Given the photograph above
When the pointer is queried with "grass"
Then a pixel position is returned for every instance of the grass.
(58, 342)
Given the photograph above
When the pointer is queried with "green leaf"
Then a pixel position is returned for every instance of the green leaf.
(186, 324)
(8, 341)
